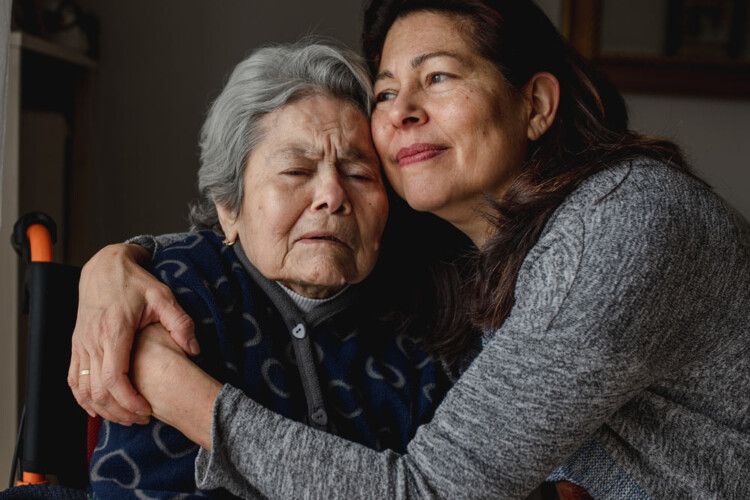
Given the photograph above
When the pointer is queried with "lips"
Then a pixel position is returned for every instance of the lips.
(418, 152)
(322, 237)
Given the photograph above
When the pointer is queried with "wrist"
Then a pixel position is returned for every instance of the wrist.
(191, 410)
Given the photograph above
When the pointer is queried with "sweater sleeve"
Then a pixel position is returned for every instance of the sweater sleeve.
(153, 243)
(602, 304)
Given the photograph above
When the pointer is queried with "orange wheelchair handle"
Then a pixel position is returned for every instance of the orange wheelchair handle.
(32, 478)
(33, 236)
(40, 243)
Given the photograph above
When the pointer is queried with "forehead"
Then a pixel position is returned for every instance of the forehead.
(426, 31)
(316, 117)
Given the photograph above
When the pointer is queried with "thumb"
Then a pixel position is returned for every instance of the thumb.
(181, 327)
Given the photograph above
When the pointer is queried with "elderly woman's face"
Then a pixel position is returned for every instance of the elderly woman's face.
(314, 206)
(447, 126)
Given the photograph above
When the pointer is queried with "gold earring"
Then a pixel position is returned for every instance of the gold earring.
(229, 242)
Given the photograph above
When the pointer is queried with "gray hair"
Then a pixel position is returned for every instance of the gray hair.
(270, 78)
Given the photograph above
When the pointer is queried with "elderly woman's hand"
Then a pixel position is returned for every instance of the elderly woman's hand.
(181, 394)
(117, 298)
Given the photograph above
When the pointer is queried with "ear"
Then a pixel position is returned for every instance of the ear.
(542, 92)
(229, 222)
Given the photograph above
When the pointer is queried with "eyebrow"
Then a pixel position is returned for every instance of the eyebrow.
(351, 154)
(420, 59)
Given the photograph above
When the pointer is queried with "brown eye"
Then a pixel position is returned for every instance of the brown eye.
(385, 96)
(437, 77)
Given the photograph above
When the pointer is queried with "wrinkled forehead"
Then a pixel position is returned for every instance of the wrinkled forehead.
(319, 125)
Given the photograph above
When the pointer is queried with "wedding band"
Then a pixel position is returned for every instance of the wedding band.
(83, 372)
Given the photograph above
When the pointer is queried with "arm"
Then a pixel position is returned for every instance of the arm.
(161, 457)
(575, 349)
(179, 391)
(117, 297)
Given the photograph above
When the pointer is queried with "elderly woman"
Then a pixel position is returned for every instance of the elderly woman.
(612, 287)
(292, 211)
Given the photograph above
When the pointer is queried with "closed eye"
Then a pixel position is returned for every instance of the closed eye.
(360, 177)
(295, 172)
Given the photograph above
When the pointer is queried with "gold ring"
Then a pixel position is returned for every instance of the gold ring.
(83, 372)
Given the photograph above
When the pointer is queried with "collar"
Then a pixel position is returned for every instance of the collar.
(286, 305)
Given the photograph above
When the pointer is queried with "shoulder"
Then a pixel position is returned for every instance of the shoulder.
(641, 234)
(650, 202)
(199, 255)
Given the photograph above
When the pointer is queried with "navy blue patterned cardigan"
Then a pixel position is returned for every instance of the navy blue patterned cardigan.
(339, 367)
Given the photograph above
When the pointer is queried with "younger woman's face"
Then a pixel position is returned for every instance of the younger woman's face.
(448, 127)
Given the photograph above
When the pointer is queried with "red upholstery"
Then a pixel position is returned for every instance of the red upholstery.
(92, 435)
(570, 491)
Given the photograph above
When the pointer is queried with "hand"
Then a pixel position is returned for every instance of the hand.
(181, 394)
(116, 298)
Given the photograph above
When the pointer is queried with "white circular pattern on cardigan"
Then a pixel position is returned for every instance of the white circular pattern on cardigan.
(96, 476)
(102, 443)
(333, 384)
(156, 435)
(190, 242)
(373, 372)
(258, 337)
(181, 268)
(266, 371)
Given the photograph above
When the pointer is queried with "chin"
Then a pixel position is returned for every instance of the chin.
(325, 276)
(422, 204)
(425, 196)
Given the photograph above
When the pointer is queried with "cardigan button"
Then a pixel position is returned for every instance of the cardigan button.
(299, 331)
(320, 417)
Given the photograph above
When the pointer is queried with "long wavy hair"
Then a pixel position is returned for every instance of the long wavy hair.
(589, 134)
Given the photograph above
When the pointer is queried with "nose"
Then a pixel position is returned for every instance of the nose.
(330, 193)
(406, 110)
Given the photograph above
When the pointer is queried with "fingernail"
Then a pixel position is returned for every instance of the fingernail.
(139, 413)
(194, 349)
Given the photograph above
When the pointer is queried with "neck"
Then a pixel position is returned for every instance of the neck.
(471, 222)
(312, 291)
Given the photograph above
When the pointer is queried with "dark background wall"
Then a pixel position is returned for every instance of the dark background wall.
(161, 63)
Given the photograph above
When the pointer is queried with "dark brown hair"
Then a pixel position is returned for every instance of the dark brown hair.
(589, 134)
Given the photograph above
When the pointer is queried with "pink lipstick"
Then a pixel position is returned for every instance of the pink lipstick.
(418, 152)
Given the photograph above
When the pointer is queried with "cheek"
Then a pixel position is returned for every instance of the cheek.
(381, 134)
(269, 222)
(393, 173)
(372, 223)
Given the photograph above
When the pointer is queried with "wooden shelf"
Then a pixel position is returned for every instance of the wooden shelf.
(50, 49)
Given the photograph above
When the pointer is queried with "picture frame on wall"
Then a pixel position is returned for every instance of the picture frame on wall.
(706, 49)
(707, 29)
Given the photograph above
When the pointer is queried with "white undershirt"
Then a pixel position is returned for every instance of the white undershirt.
(306, 304)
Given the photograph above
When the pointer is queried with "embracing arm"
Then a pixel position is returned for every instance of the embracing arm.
(116, 298)
(574, 350)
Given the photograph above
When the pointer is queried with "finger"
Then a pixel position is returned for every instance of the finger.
(115, 367)
(168, 312)
(103, 402)
(80, 394)
(104, 378)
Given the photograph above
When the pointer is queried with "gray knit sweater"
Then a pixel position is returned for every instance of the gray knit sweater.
(631, 325)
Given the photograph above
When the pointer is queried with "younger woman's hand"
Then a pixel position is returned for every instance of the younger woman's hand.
(117, 297)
